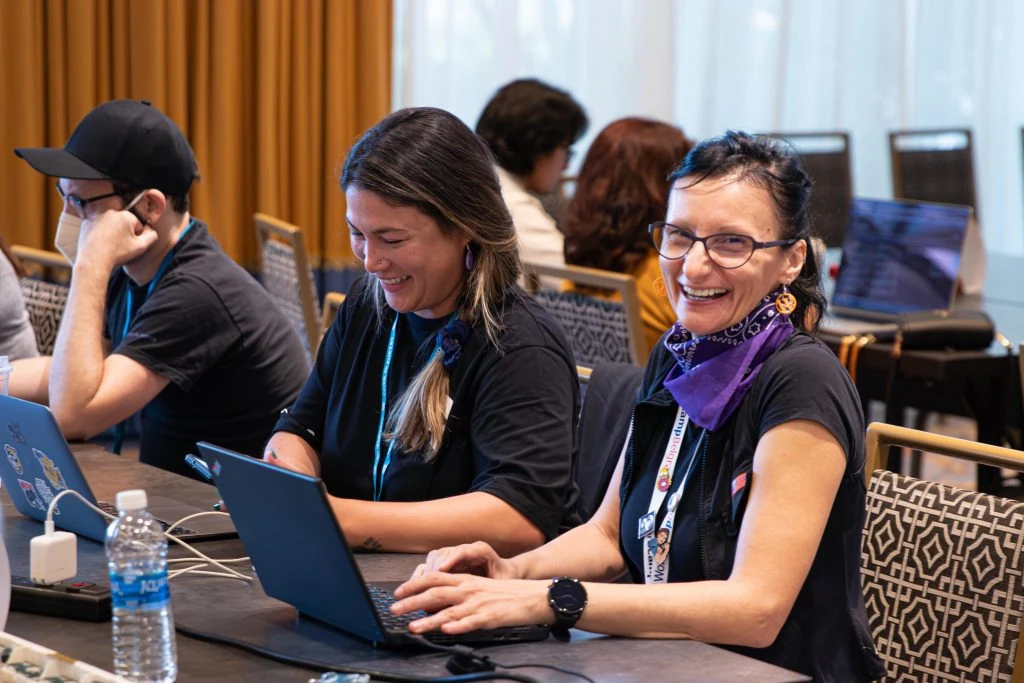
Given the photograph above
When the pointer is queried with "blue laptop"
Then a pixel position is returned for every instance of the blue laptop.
(284, 519)
(38, 465)
(898, 257)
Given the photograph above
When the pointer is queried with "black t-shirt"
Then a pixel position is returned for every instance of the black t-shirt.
(800, 381)
(511, 426)
(232, 358)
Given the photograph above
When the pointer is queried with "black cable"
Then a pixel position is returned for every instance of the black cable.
(461, 652)
(314, 665)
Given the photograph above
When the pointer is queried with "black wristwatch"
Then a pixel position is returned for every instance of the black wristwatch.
(567, 598)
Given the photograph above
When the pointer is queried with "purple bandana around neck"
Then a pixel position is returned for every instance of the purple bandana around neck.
(714, 372)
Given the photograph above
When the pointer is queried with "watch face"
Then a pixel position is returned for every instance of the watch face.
(567, 596)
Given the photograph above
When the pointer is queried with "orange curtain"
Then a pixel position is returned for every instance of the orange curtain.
(271, 94)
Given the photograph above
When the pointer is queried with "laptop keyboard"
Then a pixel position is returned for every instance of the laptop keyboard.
(382, 601)
(177, 531)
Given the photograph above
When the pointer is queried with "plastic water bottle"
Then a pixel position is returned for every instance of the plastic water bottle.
(144, 646)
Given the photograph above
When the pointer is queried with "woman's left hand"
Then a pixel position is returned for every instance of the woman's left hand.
(459, 603)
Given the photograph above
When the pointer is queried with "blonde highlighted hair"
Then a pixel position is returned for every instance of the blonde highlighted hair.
(427, 159)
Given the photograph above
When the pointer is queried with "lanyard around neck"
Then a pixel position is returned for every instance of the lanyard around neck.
(164, 265)
(656, 550)
(378, 471)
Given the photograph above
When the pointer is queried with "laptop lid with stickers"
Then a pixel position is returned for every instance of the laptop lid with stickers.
(38, 464)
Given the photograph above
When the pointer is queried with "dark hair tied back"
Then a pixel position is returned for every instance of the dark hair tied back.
(771, 165)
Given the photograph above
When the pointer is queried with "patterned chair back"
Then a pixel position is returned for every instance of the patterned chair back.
(943, 576)
(288, 278)
(45, 292)
(598, 329)
(45, 302)
(942, 568)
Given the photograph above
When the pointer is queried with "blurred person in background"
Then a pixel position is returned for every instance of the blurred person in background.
(620, 191)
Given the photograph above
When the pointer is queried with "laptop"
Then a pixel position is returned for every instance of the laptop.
(300, 554)
(898, 257)
(38, 464)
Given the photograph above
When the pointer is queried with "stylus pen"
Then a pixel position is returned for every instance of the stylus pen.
(199, 465)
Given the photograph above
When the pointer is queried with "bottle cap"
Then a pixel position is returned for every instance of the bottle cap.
(134, 499)
(5, 365)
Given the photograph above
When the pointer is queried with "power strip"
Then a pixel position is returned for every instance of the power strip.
(76, 600)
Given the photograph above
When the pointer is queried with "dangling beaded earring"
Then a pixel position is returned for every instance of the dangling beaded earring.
(785, 302)
(470, 258)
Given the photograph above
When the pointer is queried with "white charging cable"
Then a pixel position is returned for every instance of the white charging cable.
(54, 554)
(227, 572)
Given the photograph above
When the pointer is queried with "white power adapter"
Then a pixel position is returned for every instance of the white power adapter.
(54, 556)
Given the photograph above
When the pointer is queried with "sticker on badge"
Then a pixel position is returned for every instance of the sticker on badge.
(51, 471)
(646, 525)
(30, 495)
(14, 429)
(12, 457)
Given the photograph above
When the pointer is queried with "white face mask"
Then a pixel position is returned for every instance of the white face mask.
(69, 227)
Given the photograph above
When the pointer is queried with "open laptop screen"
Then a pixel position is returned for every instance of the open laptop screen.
(900, 256)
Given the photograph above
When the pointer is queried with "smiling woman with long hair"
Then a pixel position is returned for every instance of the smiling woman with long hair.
(620, 191)
(443, 403)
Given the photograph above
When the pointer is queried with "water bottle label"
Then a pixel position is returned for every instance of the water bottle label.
(133, 590)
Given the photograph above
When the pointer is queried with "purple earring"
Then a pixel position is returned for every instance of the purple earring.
(470, 258)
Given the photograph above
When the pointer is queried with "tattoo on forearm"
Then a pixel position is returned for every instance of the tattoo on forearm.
(371, 543)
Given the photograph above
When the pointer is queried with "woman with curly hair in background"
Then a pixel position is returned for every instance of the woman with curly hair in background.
(621, 190)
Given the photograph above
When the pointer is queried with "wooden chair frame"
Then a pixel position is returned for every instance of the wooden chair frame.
(622, 283)
(329, 309)
(42, 258)
(267, 226)
(880, 437)
(583, 374)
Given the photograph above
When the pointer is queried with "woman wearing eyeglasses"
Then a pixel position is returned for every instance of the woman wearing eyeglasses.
(738, 500)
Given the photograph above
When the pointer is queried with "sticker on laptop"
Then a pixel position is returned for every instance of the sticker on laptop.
(12, 457)
(44, 490)
(14, 429)
(51, 471)
(30, 495)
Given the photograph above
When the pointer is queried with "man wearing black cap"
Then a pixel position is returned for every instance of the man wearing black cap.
(158, 318)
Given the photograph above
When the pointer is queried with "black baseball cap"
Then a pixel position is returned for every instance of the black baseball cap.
(129, 141)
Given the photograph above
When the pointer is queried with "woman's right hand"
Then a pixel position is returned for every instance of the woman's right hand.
(472, 558)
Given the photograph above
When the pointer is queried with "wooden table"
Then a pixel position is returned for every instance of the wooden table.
(244, 612)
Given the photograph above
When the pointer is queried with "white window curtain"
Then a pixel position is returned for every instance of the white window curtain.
(865, 66)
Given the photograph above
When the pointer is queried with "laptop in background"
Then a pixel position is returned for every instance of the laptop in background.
(38, 464)
(300, 554)
(898, 257)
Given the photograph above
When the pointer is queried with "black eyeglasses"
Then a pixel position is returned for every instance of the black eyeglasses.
(726, 250)
(80, 203)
